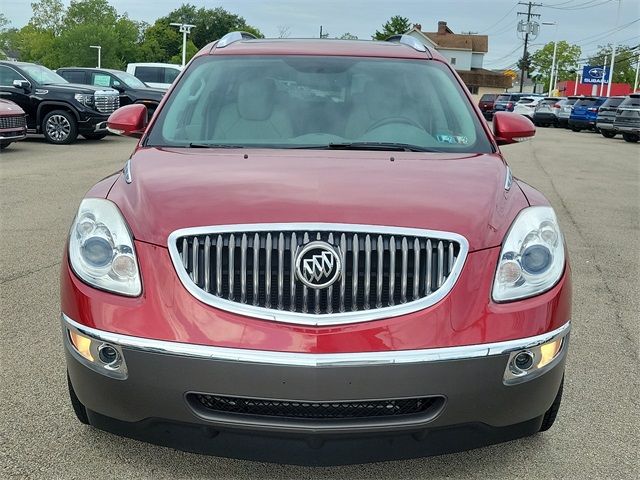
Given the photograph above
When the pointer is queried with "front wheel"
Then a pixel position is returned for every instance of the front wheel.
(4, 145)
(576, 129)
(60, 127)
(551, 414)
(608, 133)
(631, 137)
(94, 136)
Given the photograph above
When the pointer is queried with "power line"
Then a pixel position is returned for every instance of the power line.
(501, 19)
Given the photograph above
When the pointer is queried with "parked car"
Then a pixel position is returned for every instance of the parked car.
(56, 108)
(547, 111)
(486, 104)
(606, 116)
(627, 119)
(526, 106)
(157, 75)
(299, 246)
(565, 111)
(132, 90)
(13, 123)
(584, 113)
(506, 102)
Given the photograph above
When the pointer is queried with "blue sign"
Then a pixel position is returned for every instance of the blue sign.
(591, 74)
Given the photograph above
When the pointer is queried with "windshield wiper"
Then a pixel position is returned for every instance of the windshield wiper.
(214, 145)
(392, 146)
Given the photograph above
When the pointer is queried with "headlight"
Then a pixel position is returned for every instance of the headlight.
(101, 248)
(532, 256)
(85, 99)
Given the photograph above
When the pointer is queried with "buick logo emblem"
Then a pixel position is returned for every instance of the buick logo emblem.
(318, 265)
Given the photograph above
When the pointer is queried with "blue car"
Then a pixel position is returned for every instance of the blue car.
(584, 113)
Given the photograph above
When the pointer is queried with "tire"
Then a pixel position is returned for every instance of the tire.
(78, 408)
(608, 133)
(575, 129)
(94, 136)
(4, 145)
(60, 127)
(550, 415)
(631, 137)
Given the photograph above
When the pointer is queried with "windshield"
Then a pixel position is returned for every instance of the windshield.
(503, 98)
(488, 97)
(42, 75)
(130, 81)
(586, 102)
(612, 102)
(318, 102)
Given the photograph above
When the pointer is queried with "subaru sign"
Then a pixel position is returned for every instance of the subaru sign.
(592, 74)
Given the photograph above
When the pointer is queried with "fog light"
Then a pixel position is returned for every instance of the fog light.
(548, 352)
(523, 361)
(82, 344)
(109, 355)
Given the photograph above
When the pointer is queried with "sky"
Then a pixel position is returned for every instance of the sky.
(585, 22)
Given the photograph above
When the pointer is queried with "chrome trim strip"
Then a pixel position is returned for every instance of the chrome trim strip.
(316, 359)
(508, 181)
(306, 318)
(15, 138)
(126, 171)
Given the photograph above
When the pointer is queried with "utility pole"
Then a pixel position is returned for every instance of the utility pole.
(184, 29)
(613, 52)
(323, 34)
(528, 28)
(575, 88)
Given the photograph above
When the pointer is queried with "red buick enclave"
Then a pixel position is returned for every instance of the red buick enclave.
(316, 242)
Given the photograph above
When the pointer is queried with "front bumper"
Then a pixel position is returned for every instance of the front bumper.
(467, 382)
(8, 136)
(93, 123)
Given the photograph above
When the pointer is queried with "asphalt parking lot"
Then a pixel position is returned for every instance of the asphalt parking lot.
(591, 181)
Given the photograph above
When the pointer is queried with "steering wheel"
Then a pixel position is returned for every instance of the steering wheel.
(386, 121)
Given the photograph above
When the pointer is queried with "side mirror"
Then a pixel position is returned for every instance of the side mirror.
(23, 84)
(512, 128)
(129, 121)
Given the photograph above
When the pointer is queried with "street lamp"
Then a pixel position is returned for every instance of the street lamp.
(185, 29)
(552, 83)
(99, 48)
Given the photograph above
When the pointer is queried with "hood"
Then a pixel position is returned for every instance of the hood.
(179, 188)
(10, 108)
(73, 88)
(148, 93)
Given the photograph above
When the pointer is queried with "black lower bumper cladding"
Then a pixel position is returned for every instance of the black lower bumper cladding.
(314, 450)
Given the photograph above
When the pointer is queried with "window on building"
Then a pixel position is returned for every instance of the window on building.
(453, 60)
(473, 89)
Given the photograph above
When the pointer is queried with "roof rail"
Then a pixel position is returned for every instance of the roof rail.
(231, 37)
(408, 40)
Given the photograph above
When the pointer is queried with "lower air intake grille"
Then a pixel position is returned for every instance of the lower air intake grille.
(314, 410)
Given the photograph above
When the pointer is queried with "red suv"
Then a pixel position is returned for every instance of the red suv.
(316, 240)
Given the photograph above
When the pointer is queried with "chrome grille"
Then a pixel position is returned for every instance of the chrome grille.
(14, 121)
(107, 102)
(250, 269)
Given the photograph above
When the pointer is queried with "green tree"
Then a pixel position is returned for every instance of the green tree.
(395, 26)
(348, 36)
(48, 15)
(624, 68)
(567, 56)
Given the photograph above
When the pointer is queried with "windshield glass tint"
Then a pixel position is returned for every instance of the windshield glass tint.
(130, 81)
(42, 74)
(298, 101)
(585, 103)
(631, 102)
(612, 102)
(503, 98)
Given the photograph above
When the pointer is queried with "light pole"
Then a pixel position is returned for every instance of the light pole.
(613, 52)
(99, 48)
(635, 82)
(604, 74)
(185, 29)
(552, 83)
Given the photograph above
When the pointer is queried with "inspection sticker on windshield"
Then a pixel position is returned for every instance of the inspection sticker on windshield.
(452, 139)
